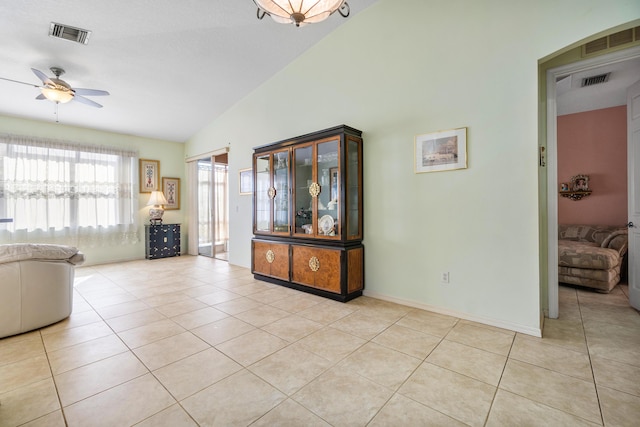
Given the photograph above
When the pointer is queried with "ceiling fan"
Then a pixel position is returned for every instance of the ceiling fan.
(57, 90)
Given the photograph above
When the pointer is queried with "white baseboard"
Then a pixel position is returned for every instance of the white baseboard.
(536, 332)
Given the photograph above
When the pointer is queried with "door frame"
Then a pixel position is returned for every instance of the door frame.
(552, 160)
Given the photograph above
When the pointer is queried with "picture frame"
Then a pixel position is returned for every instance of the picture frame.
(440, 151)
(246, 181)
(171, 190)
(149, 175)
(579, 183)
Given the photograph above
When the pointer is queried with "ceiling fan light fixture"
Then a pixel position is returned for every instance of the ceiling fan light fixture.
(301, 12)
(59, 91)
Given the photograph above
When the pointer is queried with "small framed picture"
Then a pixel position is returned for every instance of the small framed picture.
(149, 175)
(171, 190)
(246, 181)
(441, 151)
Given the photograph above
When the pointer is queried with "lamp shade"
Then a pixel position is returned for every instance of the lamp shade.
(299, 12)
(157, 198)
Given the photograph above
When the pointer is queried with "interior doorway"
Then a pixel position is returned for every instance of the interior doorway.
(213, 206)
(554, 75)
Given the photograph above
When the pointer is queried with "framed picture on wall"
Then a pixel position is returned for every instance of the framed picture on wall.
(171, 190)
(149, 175)
(246, 181)
(441, 151)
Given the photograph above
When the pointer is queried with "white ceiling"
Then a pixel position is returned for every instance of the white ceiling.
(170, 66)
(572, 98)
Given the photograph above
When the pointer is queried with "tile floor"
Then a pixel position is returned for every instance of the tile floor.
(192, 341)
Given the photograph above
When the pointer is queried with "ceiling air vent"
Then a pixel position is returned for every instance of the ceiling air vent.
(66, 32)
(595, 80)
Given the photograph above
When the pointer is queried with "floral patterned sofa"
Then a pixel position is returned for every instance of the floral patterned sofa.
(591, 255)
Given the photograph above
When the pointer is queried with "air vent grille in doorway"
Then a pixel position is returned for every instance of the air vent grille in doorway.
(595, 80)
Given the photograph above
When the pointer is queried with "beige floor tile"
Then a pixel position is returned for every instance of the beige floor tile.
(173, 416)
(280, 371)
(512, 410)
(142, 335)
(122, 309)
(85, 353)
(69, 337)
(290, 414)
(199, 291)
(199, 317)
(240, 399)
(458, 396)
(270, 296)
(332, 344)
(619, 409)
(251, 347)
(100, 301)
(222, 330)
(534, 351)
(134, 320)
(475, 363)
(168, 350)
(573, 395)
(624, 315)
(565, 333)
(194, 373)
(96, 377)
(181, 307)
(218, 297)
(616, 375)
(409, 341)
(435, 324)
(28, 403)
(326, 313)
(297, 303)
(382, 365)
(54, 419)
(164, 299)
(262, 315)
(612, 341)
(23, 372)
(493, 340)
(361, 325)
(250, 289)
(238, 305)
(292, 328)
(73, 321)
(13, 350)
(401, 411)
(135, 401)
(343, 398)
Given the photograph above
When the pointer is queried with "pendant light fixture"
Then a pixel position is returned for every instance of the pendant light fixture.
(301, 12)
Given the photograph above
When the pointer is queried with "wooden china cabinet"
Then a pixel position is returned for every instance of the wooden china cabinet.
(307, 218)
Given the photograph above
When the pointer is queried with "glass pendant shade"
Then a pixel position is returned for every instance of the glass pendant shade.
(59, 91)
(299, 12)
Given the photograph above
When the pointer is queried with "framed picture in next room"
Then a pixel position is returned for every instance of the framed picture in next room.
(171, 190)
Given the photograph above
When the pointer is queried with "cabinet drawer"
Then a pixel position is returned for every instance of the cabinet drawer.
(315, 267)
(271, 259)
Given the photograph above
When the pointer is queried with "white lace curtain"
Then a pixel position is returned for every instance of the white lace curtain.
(63, 192)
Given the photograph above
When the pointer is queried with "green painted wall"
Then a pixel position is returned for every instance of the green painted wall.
(406, 67)
(170, 155)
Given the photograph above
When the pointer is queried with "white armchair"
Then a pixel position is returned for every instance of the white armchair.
(36, 285)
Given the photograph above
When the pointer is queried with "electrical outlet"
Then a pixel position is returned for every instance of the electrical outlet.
(444, 277)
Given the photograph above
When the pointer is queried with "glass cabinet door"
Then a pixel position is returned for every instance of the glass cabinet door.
(262, 200)
(328, 200)
(354, 204)
(281, 195)
(303, 158)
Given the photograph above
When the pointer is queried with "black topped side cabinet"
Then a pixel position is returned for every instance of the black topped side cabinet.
(162, 241)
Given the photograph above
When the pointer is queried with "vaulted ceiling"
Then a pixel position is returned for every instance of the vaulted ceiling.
(170, 66)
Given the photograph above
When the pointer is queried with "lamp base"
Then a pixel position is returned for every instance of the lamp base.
(155, 215)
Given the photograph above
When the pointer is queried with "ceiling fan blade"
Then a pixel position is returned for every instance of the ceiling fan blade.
(41, 96)
(86, 101)
(42, 76)
(90, 92)
(22, 83)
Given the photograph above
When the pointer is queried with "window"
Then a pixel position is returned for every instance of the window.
(67, 193)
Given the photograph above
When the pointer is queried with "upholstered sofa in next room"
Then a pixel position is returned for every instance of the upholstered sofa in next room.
(36, 285)
(591, 255)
